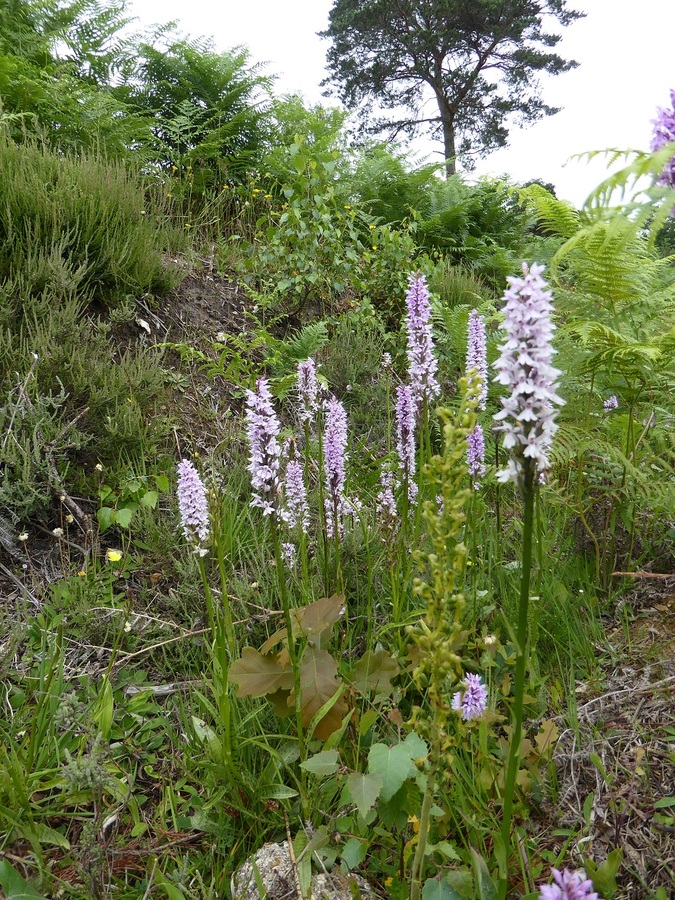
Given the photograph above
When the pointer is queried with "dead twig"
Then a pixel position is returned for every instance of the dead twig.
(150, 880)
(291, 855)
(17, 581)
(639, 574)
(125, 657)
(634, 691)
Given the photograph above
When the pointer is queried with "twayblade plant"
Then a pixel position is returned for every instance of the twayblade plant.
(440, 636)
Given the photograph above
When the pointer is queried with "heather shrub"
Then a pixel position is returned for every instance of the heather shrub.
(72, 224)
(71, 398)
(74, 239)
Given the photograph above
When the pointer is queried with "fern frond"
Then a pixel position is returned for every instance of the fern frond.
(453, 321)
(557, 216)
(617, 352)
(299, 347)
(609, 262)
(606, 459)
(642, 165)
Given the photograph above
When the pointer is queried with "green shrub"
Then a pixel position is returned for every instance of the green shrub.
(207, 111)
(389, 189)
(384, 267)
(457, 286)
(307, 251)
(72, 224)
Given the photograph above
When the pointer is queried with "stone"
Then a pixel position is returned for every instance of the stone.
(273, 863)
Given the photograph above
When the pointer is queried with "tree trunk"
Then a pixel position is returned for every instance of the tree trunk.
(447, 121)
(449, 145)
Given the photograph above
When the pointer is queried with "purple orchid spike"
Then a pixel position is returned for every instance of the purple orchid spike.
(263, 432)
(475, 454)
(308, 390)
(524, 367)
(406, 413)
(471, 702)
(193, 506)
(664, 133)
(568, 886)
(476, 354)
(296, 510)
(421, 361)
(335, 460)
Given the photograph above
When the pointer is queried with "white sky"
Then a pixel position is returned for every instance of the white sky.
(624, 47)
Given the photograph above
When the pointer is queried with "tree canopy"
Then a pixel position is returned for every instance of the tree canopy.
(478, 59)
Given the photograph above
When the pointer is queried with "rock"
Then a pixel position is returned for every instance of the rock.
(274, 867)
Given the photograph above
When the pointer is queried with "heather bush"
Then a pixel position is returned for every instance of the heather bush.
(70, 225)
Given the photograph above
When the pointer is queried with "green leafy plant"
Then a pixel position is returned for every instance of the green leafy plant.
(312, 244)
(208, 111)
(119, 505)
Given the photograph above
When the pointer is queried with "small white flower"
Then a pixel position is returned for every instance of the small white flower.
(23, 537)
(57, 532)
